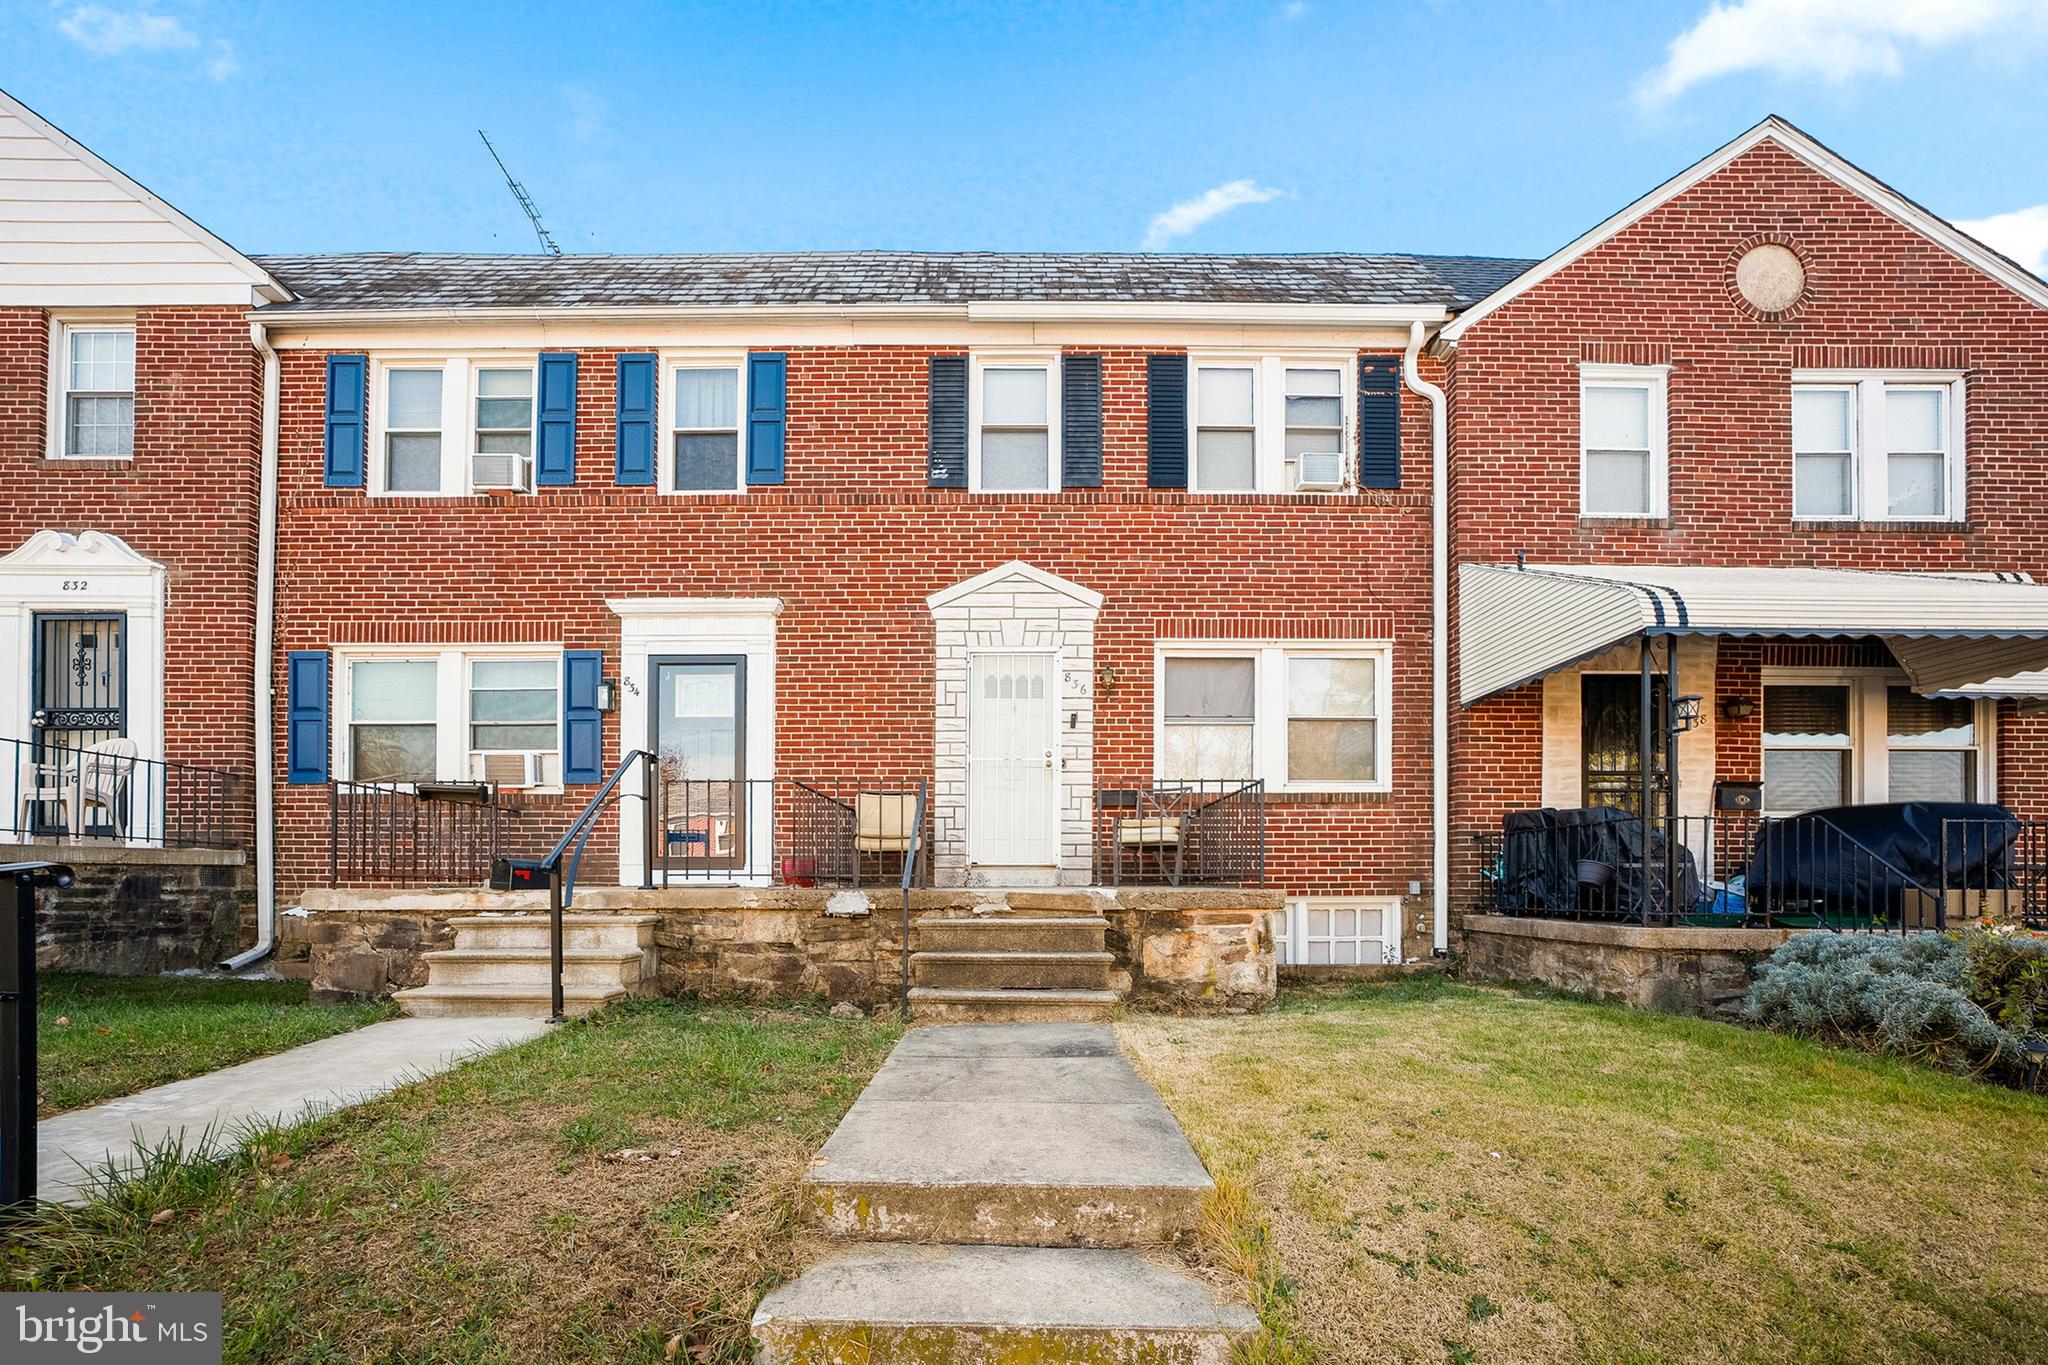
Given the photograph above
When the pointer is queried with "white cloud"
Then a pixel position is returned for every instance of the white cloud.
(587, 112)
(1294, 9)
(1831, 40)
(1190, 214)
(2021, 234)
(106, 32)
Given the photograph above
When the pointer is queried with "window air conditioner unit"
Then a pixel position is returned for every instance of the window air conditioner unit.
(506, 769)
(499, 471)
(1323, 469)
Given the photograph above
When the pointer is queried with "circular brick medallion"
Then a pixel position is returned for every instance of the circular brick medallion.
(1770, 278)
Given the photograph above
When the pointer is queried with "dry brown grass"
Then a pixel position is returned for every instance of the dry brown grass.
(1452, 1173)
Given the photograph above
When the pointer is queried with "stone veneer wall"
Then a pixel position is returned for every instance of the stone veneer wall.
(138, 911)
(1704, 972)
(1177, 949)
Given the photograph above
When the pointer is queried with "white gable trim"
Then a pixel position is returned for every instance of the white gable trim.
(1016, 568)
(262, 283)
(1775, 130)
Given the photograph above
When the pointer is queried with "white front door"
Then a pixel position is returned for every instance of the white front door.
(1012, 760)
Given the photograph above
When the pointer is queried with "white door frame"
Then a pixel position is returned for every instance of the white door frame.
(92, 573)
(1054, 672)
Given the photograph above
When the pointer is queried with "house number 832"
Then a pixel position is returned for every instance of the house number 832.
(77, 585)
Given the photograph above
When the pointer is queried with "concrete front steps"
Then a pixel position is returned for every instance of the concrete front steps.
(1011, 969)
(499, 965)
(996, 1185)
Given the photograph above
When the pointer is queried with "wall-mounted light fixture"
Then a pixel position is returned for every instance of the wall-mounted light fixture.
(1738, 708)
(1685, 713)
(1105, 679)
(607, 695)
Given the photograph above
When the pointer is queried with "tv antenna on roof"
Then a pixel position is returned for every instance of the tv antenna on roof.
(526, 206)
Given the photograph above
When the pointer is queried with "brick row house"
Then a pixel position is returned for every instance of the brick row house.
(1301, 571)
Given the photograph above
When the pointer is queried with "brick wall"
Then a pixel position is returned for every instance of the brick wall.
(187, 499)
(1878, 296)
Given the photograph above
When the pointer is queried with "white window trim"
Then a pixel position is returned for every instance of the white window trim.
(670, 364)
(1292, 948)
(458, 415)
(451, 701)
(476, 429)
(59, 377)
(1869, 733)
(1658, 379)
(1269, 414)
(980, 361)
(1269, 704)
(1870, 489)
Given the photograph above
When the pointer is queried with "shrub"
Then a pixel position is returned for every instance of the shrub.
(1959, 1001)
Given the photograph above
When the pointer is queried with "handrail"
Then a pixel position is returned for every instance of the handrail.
(909, 877)
(571, 843)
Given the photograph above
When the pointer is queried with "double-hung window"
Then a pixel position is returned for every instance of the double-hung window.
(704, 435)
(1622, 440)
(413, 426)
(1845, 736)
(1015, 418)
(95, 408)
(503, 456)
(1226, 429)
(1313, 439)
(1809, 736)
(1877, 447)
(488, 713)
(1269, 423)
(1307, 717)
(1931, 747)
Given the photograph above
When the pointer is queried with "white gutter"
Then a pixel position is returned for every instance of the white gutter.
(266, 606)
(1439, 644)
(1082, 311)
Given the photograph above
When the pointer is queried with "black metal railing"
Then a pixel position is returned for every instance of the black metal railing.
(106, 790)
(783, 831)
(1734, 869)
(1995, 870)
(411, 834)
(1206, 833)
(911, 859)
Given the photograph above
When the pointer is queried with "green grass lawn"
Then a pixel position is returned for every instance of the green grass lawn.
(622, 1189)
(1437, 1172)
(102, 1036)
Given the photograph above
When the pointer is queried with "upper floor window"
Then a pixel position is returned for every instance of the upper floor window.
(503, 456)
(1015, 418)
(1269, 424)
(94, 408)
(705, 438)
(452, 425)
(412, 430)
(1877, 447)
(1622, 440)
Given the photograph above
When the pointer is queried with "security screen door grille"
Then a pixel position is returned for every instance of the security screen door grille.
(81, 680)
(1611, 755)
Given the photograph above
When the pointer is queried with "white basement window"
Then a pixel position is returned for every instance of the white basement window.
(94, 415)
(1307, 717)
(1015, 416)
(1332, 932)
(1877, 447)
(1622, 440)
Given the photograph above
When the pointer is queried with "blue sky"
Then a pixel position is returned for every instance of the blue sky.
(1473, 126)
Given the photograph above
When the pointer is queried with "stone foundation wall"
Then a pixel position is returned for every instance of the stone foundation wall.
(1180, 949)
(139, 911)
(1703, 972)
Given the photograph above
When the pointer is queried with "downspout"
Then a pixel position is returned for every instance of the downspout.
(266, 603)
(1439, 644)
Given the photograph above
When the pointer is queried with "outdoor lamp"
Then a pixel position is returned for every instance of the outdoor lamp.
(1739, 708)
(1685, 713)
(607, 695)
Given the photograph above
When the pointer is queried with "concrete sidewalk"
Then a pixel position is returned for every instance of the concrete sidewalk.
(318, 1078)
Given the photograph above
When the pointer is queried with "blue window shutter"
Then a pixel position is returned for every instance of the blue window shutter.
(555, 463)
(636, 419)
(767, 397)
(1166, 421)
(1081, 421)
(946, 421)
(306, 733)
(582, 722)
(348, 401)
(1379, 421)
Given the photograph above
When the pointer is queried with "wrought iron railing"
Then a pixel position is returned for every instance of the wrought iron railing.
(784, 832)
(1202, 833)
(411, 834)
(107, 791)
(1995, 870)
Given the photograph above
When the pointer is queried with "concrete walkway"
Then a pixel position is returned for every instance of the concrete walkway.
(318, 1078)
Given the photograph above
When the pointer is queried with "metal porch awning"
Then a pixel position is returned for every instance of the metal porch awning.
(1954, 634)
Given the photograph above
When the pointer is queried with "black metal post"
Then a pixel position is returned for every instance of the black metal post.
(555, 945)
(651, 818)
(1671, 777)
(18, 1031)
(1646, 758)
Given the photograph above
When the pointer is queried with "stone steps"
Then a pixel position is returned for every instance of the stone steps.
(1013, 933)
(500, 965)
(1013, 971)
(949, 1005)
(986, 1303)
(1012, 967)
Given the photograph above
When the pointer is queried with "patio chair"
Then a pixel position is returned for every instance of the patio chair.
(883, 823)
(37, 783)
(102, 777)
(1158, 826)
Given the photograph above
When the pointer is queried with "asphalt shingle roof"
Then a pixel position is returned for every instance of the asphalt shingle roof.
(372, 280)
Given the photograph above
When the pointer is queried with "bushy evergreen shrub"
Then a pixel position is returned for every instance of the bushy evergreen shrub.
(1961, 1001)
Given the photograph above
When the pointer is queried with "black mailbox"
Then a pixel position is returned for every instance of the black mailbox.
(519, 874)
(18, 1025)
(1738, 796)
